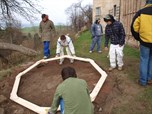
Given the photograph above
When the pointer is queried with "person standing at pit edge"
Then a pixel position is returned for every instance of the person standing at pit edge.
(141, 29)
(97, 33)
(115, 32)
(46, 30)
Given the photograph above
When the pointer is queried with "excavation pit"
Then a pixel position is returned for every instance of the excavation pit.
(34, 88)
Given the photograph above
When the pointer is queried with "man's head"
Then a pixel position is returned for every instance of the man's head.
(97, 21)
(109, 19)
(68, 72)
(148, 1)
(63, 38)
(44, 17)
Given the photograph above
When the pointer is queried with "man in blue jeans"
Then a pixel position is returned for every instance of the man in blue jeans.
(46, 29)
(141, 29)
(97, 32)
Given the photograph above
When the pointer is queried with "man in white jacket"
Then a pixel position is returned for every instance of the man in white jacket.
(65, 42)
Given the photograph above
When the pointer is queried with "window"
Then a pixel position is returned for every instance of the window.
(98, 11)
(115, 10)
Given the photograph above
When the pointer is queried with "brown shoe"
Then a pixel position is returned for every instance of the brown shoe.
(149, 82)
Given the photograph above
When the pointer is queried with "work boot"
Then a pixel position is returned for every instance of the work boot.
(111, 68)
(149, 82)
(119, 68)
(99, 51)
(140, 84)
(45, 57)
(90, 51)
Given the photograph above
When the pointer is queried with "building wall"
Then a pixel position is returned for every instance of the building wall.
(128, 10)
(106, 6)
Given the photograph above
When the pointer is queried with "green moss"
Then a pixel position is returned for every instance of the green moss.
(4, 73)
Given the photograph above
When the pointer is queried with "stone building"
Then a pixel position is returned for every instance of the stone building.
(122, 10)
(128, 10)
(103, 7)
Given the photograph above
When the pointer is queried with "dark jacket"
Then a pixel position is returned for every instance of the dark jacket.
(141, 26)
(96, 30)
(115, 32)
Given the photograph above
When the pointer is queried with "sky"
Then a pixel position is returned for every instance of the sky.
(56, 10)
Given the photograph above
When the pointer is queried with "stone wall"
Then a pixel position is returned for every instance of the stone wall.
(128, 8)
(105, 6)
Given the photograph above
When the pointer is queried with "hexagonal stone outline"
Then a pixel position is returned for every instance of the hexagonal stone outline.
(42, 110)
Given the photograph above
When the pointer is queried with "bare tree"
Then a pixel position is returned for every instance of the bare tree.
(87, 11)
(72, 12)
(10, 9)
(79, 15)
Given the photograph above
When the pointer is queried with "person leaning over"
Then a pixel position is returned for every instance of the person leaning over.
(46, 30)
(115, 32)
(74, 93)
(141, 29)
(65, 41)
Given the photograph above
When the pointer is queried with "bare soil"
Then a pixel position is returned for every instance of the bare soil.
(38, 86)
(41, 82)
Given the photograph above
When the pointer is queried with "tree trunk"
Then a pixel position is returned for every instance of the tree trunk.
(21, 49)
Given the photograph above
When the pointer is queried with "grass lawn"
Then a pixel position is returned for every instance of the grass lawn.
(35, 29)
(125, 96)
(31, 30)
(142, 98)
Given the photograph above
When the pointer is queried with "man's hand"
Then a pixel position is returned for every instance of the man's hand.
(47, 111)
(106, 48)
(73, 55)
(40, 36)
(57, 55)
(93, 36)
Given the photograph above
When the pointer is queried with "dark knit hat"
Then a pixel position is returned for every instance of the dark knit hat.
(148, 1)
(109, 17)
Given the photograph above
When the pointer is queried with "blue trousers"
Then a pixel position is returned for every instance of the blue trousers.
(61, 106)
(96, 40)
(46, 48)
(145, 64)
